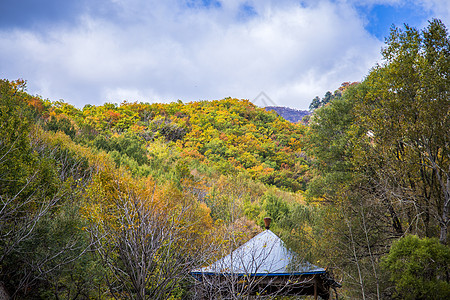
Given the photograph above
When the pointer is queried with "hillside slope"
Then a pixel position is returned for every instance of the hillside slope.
(228, 136)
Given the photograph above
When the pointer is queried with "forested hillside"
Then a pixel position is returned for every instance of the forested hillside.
(83, 189)
(123, 200)
(229, 136)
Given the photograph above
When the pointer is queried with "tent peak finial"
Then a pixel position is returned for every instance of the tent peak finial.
(267, 222)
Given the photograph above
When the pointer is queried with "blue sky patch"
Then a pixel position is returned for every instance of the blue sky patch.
(380, 18)
(27, 13)
(246, 11)
(203, 4)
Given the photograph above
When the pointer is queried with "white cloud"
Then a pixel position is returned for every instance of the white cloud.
(163, 51)
(440, 9)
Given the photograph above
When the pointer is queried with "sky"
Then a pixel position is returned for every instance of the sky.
(271, 52)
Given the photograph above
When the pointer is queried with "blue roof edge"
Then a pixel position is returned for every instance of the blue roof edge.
(260, 274)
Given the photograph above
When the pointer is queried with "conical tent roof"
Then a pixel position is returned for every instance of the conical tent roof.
(263, 255)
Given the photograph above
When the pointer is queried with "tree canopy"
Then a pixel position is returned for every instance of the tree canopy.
(380, 156)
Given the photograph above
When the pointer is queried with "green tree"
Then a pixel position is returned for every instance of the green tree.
(329, 144)
(315, 103)
(381, 157)
(419, 268)
(405, 113)
(15, 125)
(40, 185)
(62, 124)
(275, 207)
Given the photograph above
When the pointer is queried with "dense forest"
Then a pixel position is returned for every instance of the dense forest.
(121, 201)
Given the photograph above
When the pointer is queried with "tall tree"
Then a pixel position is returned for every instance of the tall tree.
(406, 114)
(381, 156)
(147, 239)
(39, 231)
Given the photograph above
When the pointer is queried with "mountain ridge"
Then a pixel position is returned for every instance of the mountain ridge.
(289, 114)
